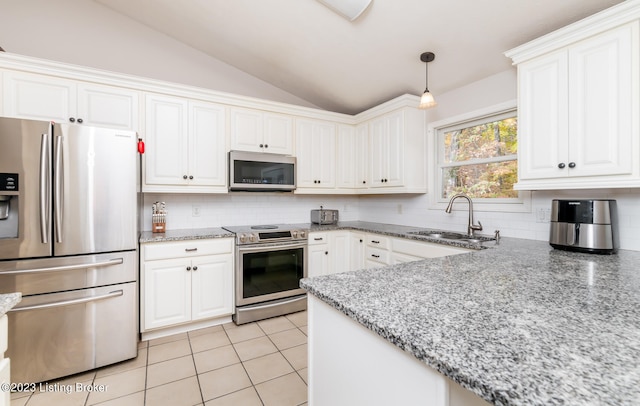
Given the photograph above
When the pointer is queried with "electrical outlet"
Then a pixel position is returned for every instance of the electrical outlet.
(540, 216)
(195, 210)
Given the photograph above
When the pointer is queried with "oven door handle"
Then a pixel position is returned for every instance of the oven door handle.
(61, 303)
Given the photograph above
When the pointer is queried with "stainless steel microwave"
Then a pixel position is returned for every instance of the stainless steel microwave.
(259, 172)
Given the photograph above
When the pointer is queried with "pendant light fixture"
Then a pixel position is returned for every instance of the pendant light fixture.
(427, 100)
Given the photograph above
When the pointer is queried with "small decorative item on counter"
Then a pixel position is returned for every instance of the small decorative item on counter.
(158, 217)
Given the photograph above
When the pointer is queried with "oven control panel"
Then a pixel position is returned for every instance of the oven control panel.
(271, 236)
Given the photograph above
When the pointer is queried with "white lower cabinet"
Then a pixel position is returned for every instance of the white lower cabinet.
(345, 250)
(329, 252)
(185, 281)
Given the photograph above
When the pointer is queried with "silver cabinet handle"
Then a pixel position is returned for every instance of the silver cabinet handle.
(116, 261)
(61, 303)
(45, 189)
(58, 185)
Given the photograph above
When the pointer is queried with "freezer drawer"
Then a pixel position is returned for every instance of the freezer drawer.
(37, 276)
(59, 334)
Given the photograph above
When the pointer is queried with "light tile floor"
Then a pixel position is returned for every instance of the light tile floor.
(261, 363)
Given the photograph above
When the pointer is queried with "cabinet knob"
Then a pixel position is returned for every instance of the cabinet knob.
(572, 164)
(266, 145)
(561, 165)
(195, 268)
(184, 176)
(364, 181)
(361, 240)
(80, 120)
(261, 145)
(188, 268)
(73, 120)
(326, 253)
(190, 176)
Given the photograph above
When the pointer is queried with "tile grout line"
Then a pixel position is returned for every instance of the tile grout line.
(195, 368)
(242, 362)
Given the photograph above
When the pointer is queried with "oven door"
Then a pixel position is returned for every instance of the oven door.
(269, 271)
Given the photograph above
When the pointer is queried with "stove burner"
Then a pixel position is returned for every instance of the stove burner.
(265, 227)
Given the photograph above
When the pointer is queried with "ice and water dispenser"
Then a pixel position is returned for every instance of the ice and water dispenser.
(9, 197)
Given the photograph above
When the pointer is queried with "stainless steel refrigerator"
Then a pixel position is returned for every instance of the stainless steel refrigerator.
(68, 243)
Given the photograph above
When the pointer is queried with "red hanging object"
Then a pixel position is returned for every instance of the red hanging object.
(140, 146)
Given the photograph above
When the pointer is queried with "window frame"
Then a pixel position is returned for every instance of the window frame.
(492, 113)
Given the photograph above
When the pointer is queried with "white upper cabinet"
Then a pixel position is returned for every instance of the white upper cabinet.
(352, 157)
(397, 155)
(315, 155)
(257, 131)
(42, 97)
(578, 104)
(185, 145)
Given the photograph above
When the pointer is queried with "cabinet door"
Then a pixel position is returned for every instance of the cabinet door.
(356, 250)
(339, 252)
(361, 155)
(315, 151)
(212, 287)
(166, 156)
(247, 130)
(601, 83)
(346, 157)
(394, 146)
(318, 259)
(387, 154)
(167, 293)
(39, 97)
(378, 156)
(108, 106)
(278, 134)
(542, 117)
(207, 152)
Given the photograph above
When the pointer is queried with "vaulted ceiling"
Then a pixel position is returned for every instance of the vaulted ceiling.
(308, 50)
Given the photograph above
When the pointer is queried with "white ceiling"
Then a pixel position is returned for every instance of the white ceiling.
(306, 49)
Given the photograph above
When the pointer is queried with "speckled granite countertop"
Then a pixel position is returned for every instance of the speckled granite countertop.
(185, 234)
(518, 324)
(7, 301)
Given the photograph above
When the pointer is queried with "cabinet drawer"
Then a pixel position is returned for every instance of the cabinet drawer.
(318, 238)
(377, 255)
(185, 249)
(378, 241)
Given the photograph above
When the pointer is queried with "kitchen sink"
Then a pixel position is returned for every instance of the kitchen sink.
(450, 235)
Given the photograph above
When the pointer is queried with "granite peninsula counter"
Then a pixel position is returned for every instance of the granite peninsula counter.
(517, 324)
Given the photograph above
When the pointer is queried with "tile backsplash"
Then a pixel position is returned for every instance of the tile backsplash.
(197, 211)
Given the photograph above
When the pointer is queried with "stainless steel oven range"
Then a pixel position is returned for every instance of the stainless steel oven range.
(270, 261)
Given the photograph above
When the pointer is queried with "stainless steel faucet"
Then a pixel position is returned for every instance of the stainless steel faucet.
(471, 228)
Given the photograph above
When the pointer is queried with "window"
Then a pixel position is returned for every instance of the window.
(476, 154)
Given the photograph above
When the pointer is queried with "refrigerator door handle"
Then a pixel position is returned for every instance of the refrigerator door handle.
(115, 261)
(45, 189)
(58, 185)
(61, 303)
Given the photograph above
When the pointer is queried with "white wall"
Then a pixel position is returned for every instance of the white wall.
(244, 209)
(83, 32)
